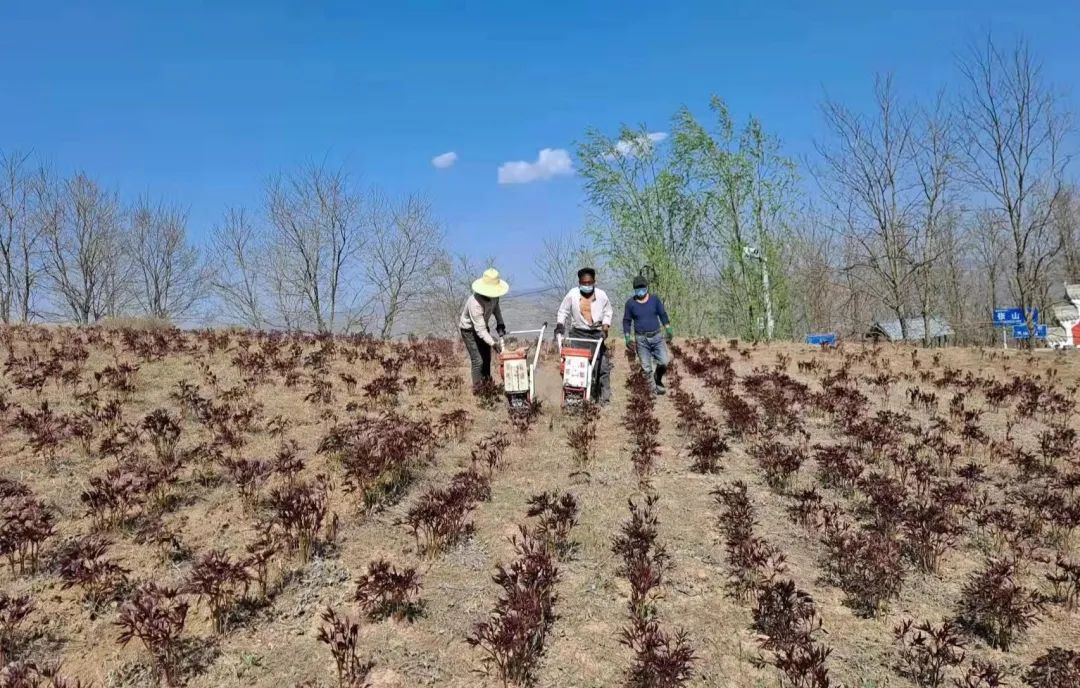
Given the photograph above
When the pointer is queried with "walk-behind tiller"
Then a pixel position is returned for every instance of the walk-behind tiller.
(518, 372)
(577, 364)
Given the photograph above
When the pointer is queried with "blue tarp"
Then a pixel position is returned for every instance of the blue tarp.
(828, 339)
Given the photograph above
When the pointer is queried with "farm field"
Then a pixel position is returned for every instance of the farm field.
(219, 508)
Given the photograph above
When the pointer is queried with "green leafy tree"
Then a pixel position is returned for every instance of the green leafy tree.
(644, 213)
(748, 191)
(708, 212)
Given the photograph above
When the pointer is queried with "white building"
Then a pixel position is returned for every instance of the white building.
(1068, 316)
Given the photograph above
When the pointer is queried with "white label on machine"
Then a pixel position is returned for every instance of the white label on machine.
(576, 372)
(516, 376)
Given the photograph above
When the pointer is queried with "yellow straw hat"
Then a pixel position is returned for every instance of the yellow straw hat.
(490, 284)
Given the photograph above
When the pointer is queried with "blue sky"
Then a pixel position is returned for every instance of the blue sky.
(199, 101)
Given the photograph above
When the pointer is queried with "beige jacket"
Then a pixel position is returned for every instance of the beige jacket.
(475, 316)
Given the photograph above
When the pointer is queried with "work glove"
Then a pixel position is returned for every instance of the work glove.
(501, 329)
(626, 340)
(497, 346)
(560, 330)
(668, 334)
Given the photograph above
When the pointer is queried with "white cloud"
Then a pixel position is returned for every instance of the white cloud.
(445, 160)
(638, 145)
(551, 162)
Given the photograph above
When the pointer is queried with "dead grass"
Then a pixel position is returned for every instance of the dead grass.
(276, 645)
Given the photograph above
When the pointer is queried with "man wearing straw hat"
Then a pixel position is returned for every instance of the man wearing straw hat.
(475, 315)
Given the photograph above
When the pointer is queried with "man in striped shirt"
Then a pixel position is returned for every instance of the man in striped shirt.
(589, 311)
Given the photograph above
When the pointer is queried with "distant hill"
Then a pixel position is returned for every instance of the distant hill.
(524, 311)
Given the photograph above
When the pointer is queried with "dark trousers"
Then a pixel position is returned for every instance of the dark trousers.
(602, 371)
(479, 356)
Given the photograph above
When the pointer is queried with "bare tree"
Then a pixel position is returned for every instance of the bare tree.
(403, 250)
(445, 290)
(991, 248)
(288, 308)
(813, 276)
(859, 304)
(867, 177)
(559, 259)
(315, 243)
(23, 200)
(84, 260)
(957, 288)
(15, 216)
(1014, 156)
(934, 163)
(237, 277)
(1067, 225)
(46, 213)
(170, 277)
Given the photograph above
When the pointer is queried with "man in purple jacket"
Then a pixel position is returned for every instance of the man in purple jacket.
(646, 313)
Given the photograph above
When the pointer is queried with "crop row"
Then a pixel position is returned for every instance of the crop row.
(904, 500)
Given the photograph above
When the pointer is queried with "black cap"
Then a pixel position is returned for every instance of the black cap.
(640, 282)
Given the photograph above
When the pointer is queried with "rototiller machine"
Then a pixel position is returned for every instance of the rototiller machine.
(518, 369)
(577, 364)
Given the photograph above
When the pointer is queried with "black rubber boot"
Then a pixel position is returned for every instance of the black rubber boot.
(658, 378)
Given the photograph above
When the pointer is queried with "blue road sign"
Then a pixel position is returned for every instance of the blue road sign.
(1021, 332)
(1004, 317)
(821, 339)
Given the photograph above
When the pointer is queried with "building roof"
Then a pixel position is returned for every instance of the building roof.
(1072, 292)
(1065, 312)
(939, 327)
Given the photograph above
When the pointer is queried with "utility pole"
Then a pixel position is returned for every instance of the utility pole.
(770, 323)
